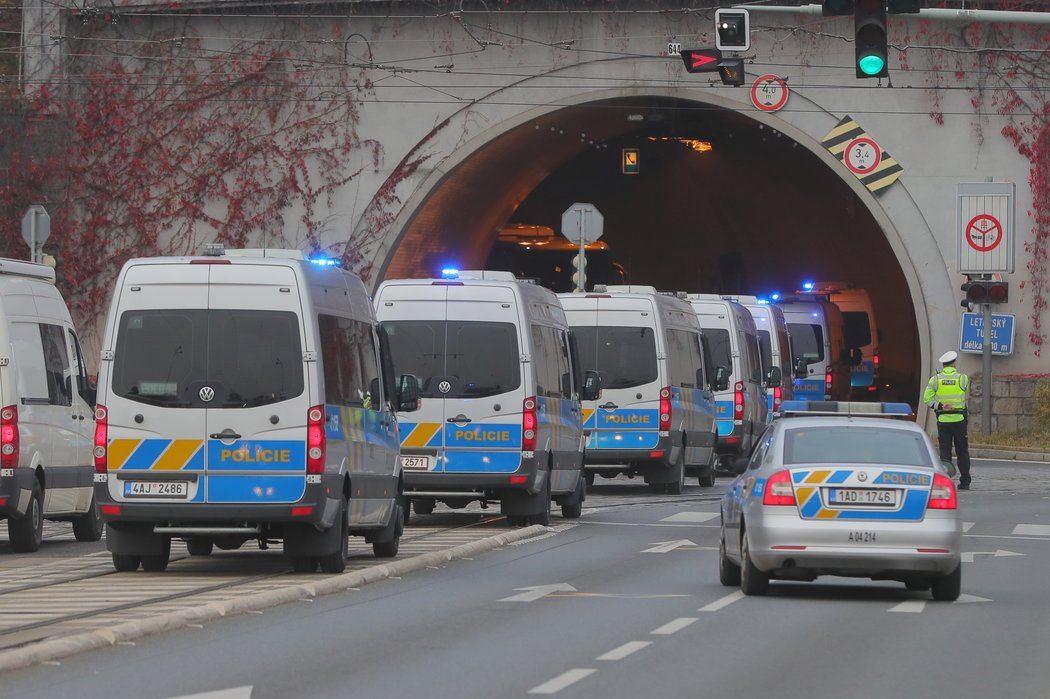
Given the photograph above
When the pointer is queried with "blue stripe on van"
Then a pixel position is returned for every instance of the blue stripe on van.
(146, 454)
(457, 461)
(809, 389)
(257, 455)
(863, 374)
(257, 489)
(629, 418)
(632, 439)
(485, 435)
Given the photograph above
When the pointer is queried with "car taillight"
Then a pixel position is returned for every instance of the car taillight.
(316, 440)
(738, 401)
(778, 398)
(665, 409)
(942, 494)
(9, 437)
(528, 425)
(101, 449)
(779, 490)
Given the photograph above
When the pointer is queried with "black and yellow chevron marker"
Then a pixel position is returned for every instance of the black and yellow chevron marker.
(848, 131)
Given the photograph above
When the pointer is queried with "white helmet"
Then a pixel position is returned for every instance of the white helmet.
(948, 357)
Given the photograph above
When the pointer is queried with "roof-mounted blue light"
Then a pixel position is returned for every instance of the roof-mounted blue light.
(450, 273)
(775, 296)
(322, 261)
(808, 286)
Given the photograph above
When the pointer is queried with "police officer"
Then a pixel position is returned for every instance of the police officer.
(946, 394)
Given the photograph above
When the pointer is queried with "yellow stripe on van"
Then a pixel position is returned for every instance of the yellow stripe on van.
(421, 434)
(177, 455)
(817, 476)
(118, 452)
(587, 412)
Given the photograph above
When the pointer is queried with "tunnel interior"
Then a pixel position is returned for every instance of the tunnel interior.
(752, 212)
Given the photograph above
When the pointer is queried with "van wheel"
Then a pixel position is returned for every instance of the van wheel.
(706, 479)
(752, 580)
(336, 562)
(200, 547)
(159, 563)
(125, 562)
(89, 526)
(423, 507)
(573, 508)
(543, 517)
(677, 484)
(386, 549)
(304, 564)
(27, 532)
(589, 476)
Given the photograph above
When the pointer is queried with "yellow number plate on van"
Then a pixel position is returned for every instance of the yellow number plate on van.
(156, 489)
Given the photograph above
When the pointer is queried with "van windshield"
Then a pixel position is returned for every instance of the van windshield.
(721, 348)
(807, 341)
(247, 358)
(623, 357)
(857, 328)
(473, 359)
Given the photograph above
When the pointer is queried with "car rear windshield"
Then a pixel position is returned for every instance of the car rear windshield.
(857, 328)
(623, 357)
(807, 341)
(473, 359)
(842, 444)
(171, 357)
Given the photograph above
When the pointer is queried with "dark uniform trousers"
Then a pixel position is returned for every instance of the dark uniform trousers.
(955, 432)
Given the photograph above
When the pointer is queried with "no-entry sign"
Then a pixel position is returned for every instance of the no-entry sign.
(985, 242)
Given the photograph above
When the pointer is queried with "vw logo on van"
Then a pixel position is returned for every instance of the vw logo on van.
(207, 394)
(444, 387)
(862, 476)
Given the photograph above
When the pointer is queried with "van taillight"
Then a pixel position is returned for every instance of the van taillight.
(778, 397)
(827, 381)
(665, 409)
(528, 425)
(779, 490)
(942, 494)
(316, 440)
(9, 437)
(738, 401)
(101, 439)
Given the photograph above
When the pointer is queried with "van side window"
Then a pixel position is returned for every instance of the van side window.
(79, 368)
(28, 346)
(709, 362)
(56, 365)
(350, 363)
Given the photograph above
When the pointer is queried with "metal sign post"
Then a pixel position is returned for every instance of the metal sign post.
(986, 368)
(582, 224)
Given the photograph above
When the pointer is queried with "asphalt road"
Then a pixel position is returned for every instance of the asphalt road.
(624, 603)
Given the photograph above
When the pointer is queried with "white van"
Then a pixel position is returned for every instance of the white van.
(774, 343)
(500, 412)
(45, 416)
(817, 338)
(862, 335)
(246, 395)
(732, 338)
(656, 413)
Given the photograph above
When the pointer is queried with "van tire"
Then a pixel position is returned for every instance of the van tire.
(200, 547)
(543, 517)
(573, 507)
(423, 507)
(27, 532)
(304, 564)
(158, 563)
(589, 477)
(335, 562)
(89, 526)
(386, 549)
(677, 484)
(126, 562)
(706, 477)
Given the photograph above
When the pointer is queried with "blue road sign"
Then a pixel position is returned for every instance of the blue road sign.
(1002, 334)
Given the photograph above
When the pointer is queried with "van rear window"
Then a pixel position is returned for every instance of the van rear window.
(807, 341)
(476, 359)
(248, 358)
(721, 348)
(857, 328)
(765, 347)
(623, 357)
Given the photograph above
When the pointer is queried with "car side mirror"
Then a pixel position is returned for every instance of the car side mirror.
(773, 377)
(950, 468)
(407, 393)
(592, 385)
(721, 378)
(801, 370)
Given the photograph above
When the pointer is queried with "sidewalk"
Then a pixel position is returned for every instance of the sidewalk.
(984, 451)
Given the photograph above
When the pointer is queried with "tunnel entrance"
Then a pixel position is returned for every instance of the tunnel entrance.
(721, 203)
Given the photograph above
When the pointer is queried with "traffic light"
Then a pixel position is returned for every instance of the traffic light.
(985, 291)
(834, 8)
(869, 33)
(732, 30)
(731, 70)
(579, 274)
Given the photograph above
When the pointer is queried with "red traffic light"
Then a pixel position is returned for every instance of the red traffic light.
(985, 291)
(998, 292)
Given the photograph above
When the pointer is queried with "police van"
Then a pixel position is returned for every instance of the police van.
(656, 413)
(817, 337)
(500, 395)
(774, 344)
(246, 395)
(862, 335)
(45, 413)
(741, 407)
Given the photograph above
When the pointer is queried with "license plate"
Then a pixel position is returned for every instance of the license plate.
(156, 489)
(878, 497)
(415, 463)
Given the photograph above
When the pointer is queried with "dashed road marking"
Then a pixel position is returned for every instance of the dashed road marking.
(694, 517)
(914, 606)
(562, 681)
(625, 650)
(1033, 529)
(674, 626)
(724, 602)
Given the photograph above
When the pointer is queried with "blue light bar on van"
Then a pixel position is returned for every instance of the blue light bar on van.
(322, 261)
(847, 408)
(450, 273)
(762, 301)
(808, 286)
(775, 296)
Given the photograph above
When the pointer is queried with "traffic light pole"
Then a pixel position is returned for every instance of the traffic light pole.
(583, 281)
(986, 368)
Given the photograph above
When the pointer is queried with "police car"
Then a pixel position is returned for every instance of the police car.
(838, 489)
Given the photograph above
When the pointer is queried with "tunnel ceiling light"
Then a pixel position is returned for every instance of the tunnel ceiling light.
(696, 144)
(635, 117)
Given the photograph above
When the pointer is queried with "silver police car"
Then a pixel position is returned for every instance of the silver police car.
(838, 489)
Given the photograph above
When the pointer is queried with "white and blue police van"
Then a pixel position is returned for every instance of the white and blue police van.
(861, 332)
(500, 416)
(774, 344)
(817, 337)
(732, 339)
(246, 395)
(656, 413)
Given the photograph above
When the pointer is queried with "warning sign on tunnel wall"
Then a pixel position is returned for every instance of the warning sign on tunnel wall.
(861, 155)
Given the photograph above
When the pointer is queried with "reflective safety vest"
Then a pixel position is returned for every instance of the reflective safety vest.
(947, 391)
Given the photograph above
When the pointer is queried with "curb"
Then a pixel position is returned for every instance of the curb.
(64, 647)
(1009, 454)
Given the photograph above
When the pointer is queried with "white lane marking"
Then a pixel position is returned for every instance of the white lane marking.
(562, 681)
(668, 546)
(653, 524)
(625, 650)
(232, 693)
(531, 594)
(674, 626)
(967, 526)
(690, 517)
(968, 599)
(969, 556)
(1033, 529)
(724, 602)
(912, 606)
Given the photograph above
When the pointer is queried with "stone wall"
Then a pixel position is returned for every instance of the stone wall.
(1013, 401)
